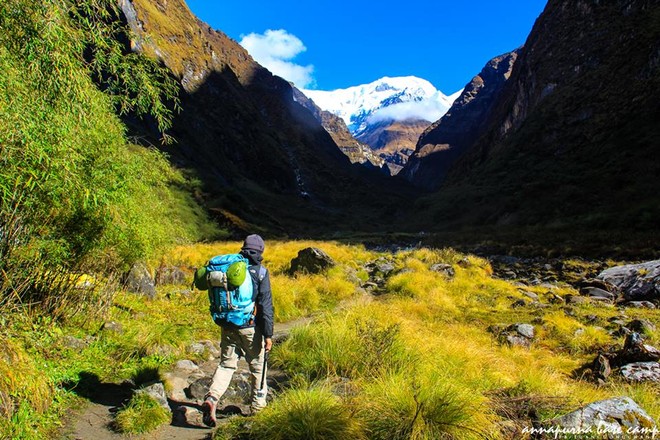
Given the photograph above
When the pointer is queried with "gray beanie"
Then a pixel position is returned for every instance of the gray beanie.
(254, 242)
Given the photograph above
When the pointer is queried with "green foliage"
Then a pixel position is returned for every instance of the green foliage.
(141, 414)
(74, 195)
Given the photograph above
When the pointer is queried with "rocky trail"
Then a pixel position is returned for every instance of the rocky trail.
(188, 382)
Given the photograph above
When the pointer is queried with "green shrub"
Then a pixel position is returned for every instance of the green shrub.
(75, 196)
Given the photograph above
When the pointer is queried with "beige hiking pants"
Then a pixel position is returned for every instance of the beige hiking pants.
(248, 341)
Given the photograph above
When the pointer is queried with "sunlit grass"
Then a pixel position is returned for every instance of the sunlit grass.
(141, 414)
(415, 362)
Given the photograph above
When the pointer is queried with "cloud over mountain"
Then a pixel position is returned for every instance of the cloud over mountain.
(276, 50)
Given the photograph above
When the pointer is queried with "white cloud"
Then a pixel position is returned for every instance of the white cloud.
(430, 110)
(275, 50)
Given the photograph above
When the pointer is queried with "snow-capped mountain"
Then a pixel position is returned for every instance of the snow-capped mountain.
(387, 99)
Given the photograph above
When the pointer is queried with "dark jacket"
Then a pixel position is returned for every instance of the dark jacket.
(262, 296)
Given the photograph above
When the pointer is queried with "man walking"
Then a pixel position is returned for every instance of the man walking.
(252, 340)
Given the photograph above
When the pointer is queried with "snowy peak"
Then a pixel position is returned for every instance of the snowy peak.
(387, 99)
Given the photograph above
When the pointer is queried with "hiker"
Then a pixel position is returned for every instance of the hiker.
(252, 340)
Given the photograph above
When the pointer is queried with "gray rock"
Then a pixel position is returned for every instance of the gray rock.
(597, 293)
(206, 346)
(198, 389)
(641, 304)
(170, 275)
(637, 282)
(157, 392)
(139, 280)
(186, 365)
(641, 372)
(613, 416)
(526, 330)
(518, 341)
(113, 326)
(531, 295)
(75, 343)
(518, 303)
(445, 269)
(237, 392)
(311, 260)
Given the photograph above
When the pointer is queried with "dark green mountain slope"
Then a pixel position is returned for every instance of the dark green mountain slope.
(571, 144)
(264, 159)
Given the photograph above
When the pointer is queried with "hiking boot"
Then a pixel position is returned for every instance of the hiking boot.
(208, 410)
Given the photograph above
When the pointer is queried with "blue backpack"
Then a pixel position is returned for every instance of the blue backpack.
(230, 306)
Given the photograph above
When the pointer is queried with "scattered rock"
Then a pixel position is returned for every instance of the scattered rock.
(206, 346)
(139, 280)
(519, 303)
(515, 335)
(641, 304)
(113, 326)
(529, 294)
(601, 367)
(641, 372)
(641, 326)
(198, 389)
(186, 365)
(637, 282)
(170, 275)
(574, 299)
(600, 284)
(597, 294)
(77, 343)
(157, 392)
(526, 330)
(445, 269)
(311, 260)
(614, 416)
(380, 268)
(634, 351)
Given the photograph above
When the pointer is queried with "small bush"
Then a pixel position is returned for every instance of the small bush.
(141, 414)
(309, 414)
(404, 407)
(346, 345)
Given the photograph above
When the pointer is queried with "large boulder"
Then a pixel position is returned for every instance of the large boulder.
(609, 418)
(139, 280)
(637, 282)
(311, 260)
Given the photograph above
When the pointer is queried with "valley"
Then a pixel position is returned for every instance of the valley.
(488, 260)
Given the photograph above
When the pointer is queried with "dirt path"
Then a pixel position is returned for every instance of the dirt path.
(93, 421)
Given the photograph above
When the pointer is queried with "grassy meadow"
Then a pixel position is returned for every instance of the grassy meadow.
(416, 362)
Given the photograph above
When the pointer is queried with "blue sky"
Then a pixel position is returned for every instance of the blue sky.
(338, 44)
